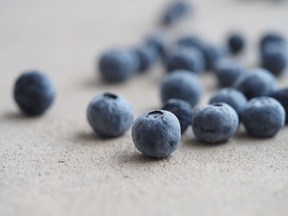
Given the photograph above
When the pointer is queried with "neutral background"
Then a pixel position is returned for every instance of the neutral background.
(55, 165)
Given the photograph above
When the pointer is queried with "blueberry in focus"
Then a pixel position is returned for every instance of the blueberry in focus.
(182, 110)
(110, 115)
(255, 83)
(232, 97)
(236, 43)
(157, 133)
(182, 84)
(214, 123)
(282, 96)
(146, 57)
(118, 65)
(191, 59)
(174, 12)
(263, 117)
(34, 92)
(274, 57)
(227, 70)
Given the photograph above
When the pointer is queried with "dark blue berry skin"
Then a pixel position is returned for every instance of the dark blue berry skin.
(282, 96)
(236, 43)
(110, 115)
(174, 12)
(271, 37)
(191, 59)
(118, 65)
(182, 110)
(191, 41)
(214, 123)
(157, 41)
(183, 85)
(255, 83)
(212, 53)
(34, 92)
(156, 134)
(263, 117)
(227, 70)
(274, 57)
(232, 97)
(146, 57)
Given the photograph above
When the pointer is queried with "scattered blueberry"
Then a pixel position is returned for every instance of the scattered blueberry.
(110, 115)
(191, 41)
(228, 70)
(256, 82)
(174, 12)
(282, 96)
(118, 65)
(156, 40)
(232, 97)
(263, 117)
(156, 133)
(34, 92)
(182, 110)
(236, 43)
(183, 85)
(212, 53)
(215, 123)
(274, 57)
(146, 57)
(271, 37)
(191, 59)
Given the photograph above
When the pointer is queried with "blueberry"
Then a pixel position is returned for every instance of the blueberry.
(191, 59)
(263, 117)
(271, 37)
(156, 133)
(256, 82)
(214, 123)
(34, 92)
(110, 115)
(174, 12)
(232, 97)
(146, 57)
(274, 57)
(228, 70)
(191, 41)
(183, 85)
(182, 110)
(117, 65)
(156, 41)
(236, 43)
(212, 53)
(282, 96)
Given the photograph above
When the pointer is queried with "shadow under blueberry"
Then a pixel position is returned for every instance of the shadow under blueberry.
(97, 82)
(19, 116)
(138, 158)
(91, 137)
(195, 143)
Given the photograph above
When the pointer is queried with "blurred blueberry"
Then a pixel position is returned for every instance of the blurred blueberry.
(232, 97)
(182, 110)
(34, 92)
(236, 43)
(174, 12)
(227, 70)
(256, 82)
(182, 84)
(282, 96)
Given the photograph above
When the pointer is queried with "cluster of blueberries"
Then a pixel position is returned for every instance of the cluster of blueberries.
(249, 96)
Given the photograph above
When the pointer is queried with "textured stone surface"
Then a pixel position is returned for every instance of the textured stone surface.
(55, 165)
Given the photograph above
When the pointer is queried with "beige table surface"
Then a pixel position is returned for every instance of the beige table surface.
(55, 165)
